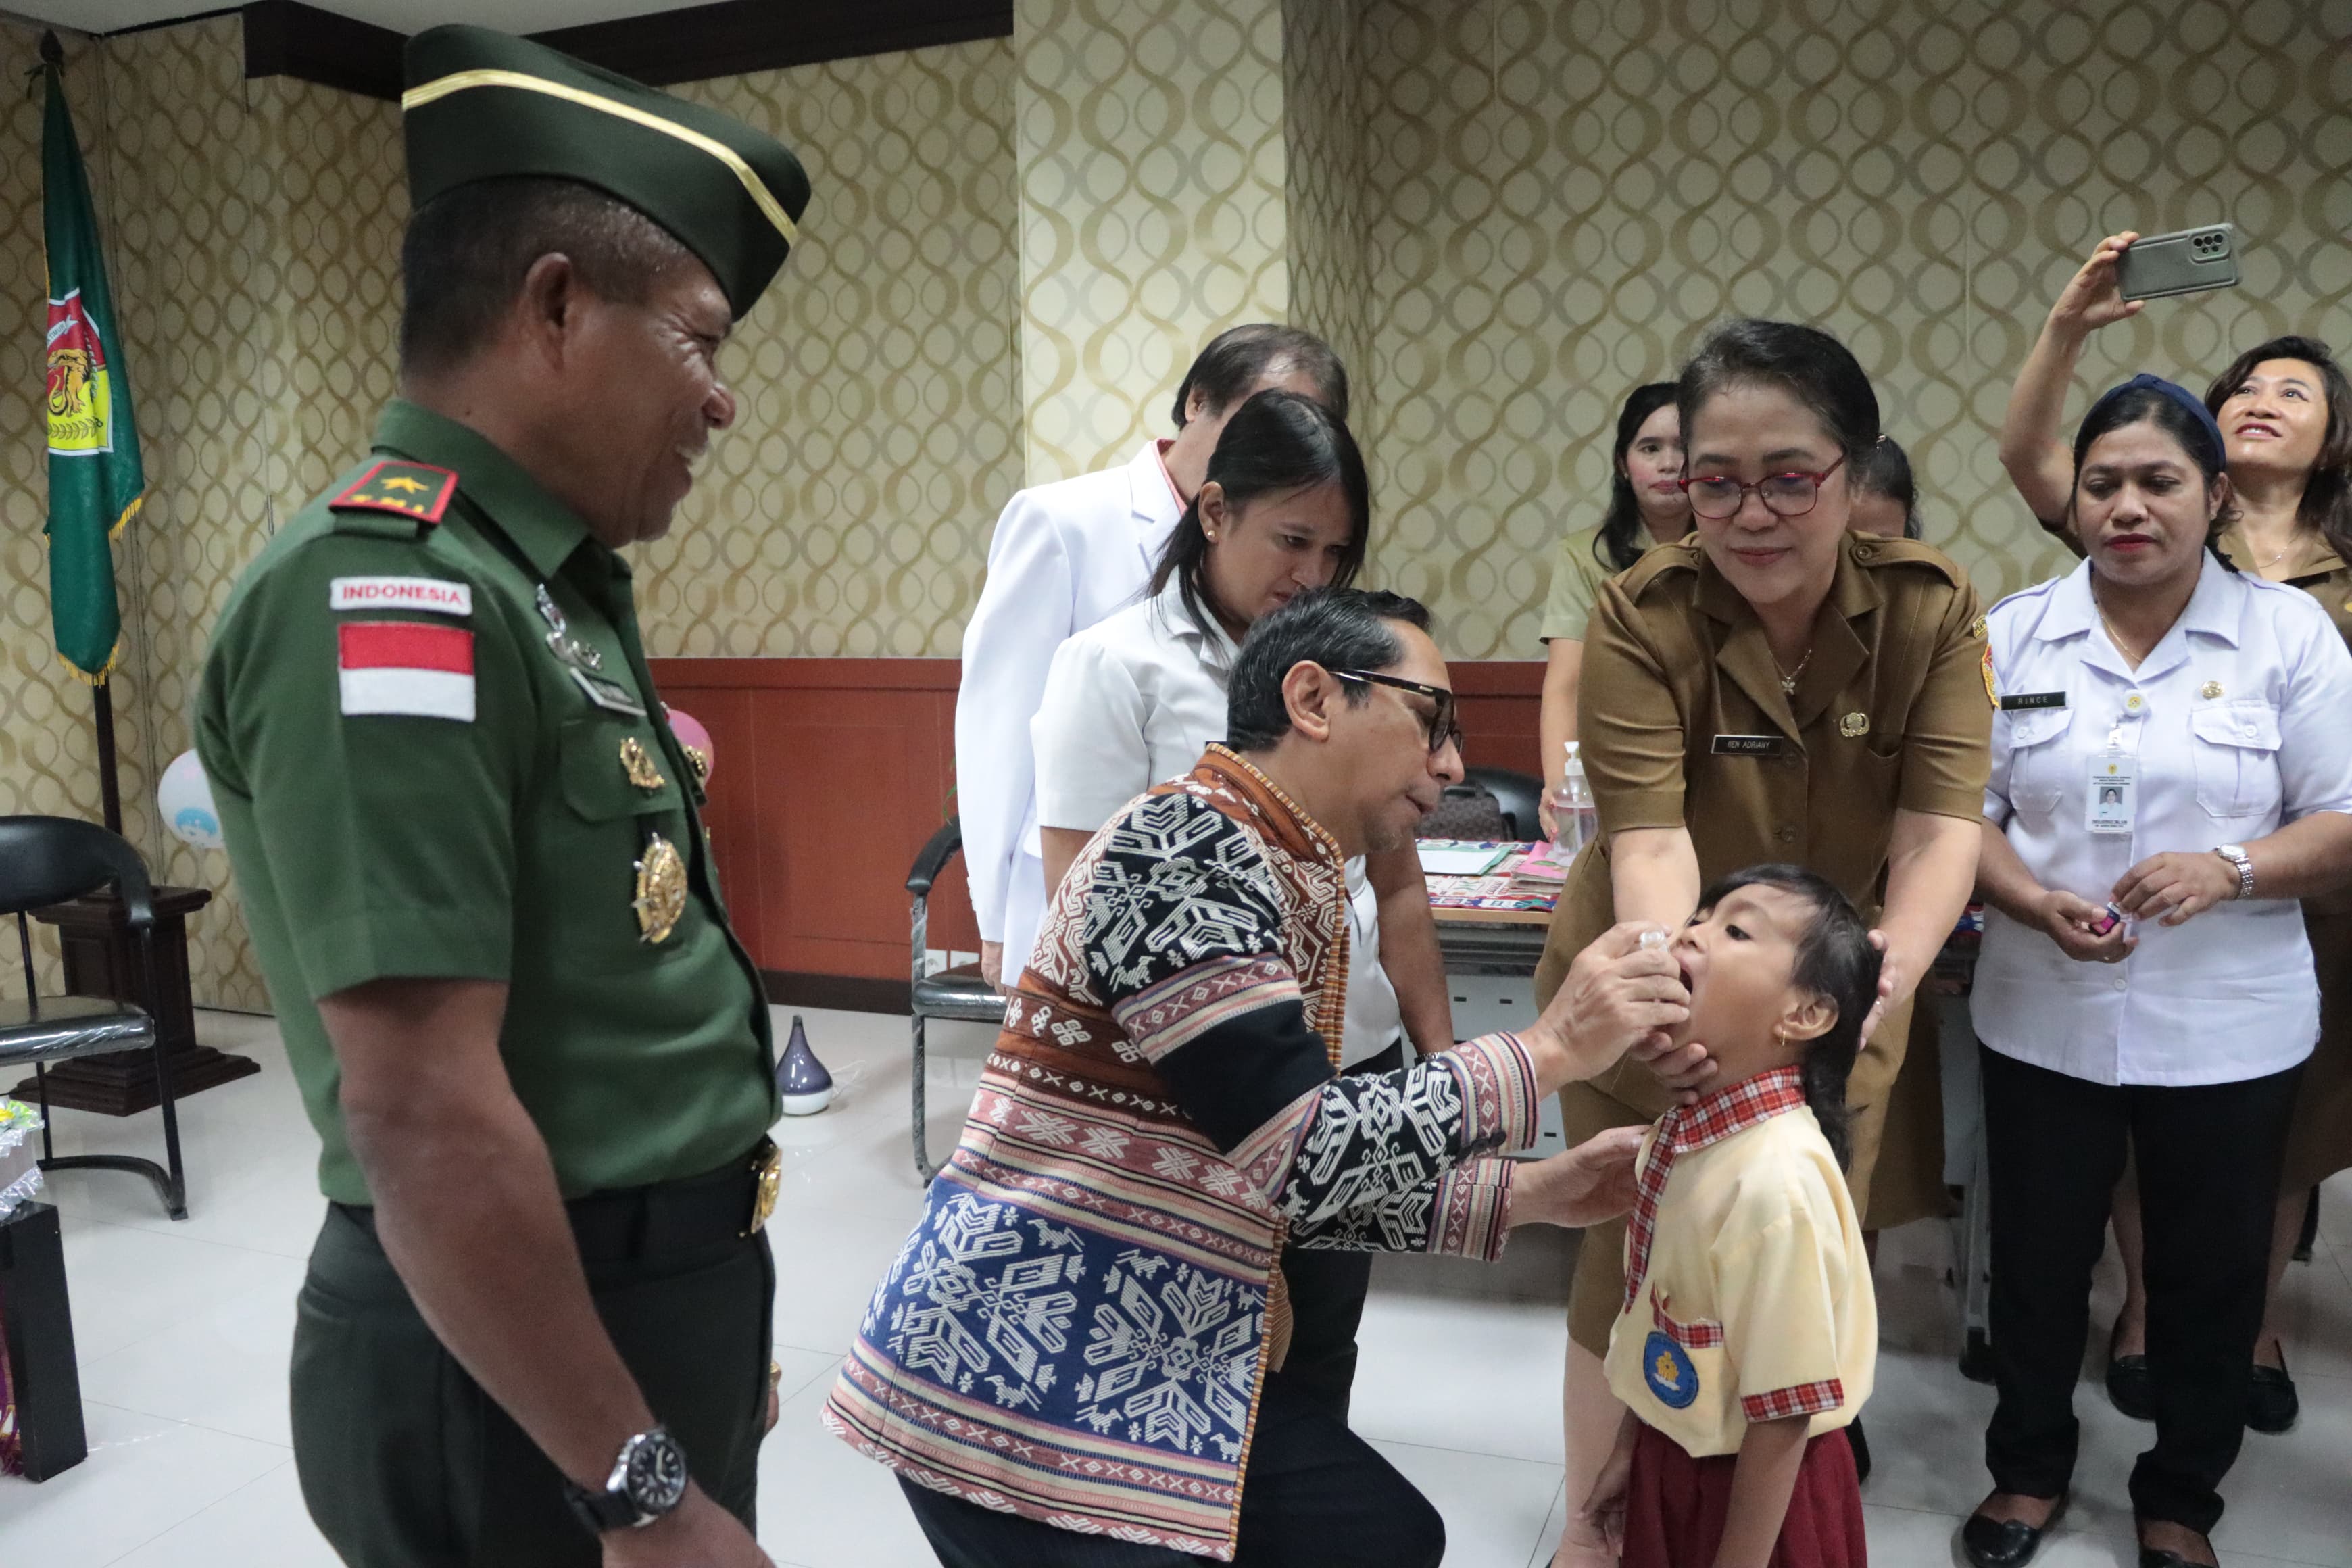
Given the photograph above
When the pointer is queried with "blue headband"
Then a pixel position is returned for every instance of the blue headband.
(2189, 401)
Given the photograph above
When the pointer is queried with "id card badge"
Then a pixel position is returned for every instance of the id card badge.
(2115, 788)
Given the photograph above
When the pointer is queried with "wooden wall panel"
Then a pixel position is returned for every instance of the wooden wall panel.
(831, 772)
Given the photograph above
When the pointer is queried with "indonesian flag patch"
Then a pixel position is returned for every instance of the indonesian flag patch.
(406, 667)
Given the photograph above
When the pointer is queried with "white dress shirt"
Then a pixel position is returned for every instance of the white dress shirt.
(1134, 700)
(1064, 556)
(2237, 721)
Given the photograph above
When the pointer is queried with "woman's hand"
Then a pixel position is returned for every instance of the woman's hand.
(1547, 817)
(2073, 922)
(2178, 885)
(1591, 1182)
(2091, 299)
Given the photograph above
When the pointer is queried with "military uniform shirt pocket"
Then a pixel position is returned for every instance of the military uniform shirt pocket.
(620, 795)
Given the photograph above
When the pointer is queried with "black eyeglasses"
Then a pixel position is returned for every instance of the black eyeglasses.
(1717, 496)
(1438, 725)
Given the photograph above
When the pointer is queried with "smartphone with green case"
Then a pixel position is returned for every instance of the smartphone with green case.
(2187, 263)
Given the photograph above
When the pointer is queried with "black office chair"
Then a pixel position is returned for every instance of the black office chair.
(47, 860)
(961, 993)
(1488, 803)
(1517, 795)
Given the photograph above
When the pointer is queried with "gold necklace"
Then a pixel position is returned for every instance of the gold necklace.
(1789, 678)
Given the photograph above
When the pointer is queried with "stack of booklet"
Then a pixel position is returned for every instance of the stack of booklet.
(1542, 869)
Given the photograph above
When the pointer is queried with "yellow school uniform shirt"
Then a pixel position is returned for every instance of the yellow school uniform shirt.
(1749, 1294)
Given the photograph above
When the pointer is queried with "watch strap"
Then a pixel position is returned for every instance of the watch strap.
(2241, 862)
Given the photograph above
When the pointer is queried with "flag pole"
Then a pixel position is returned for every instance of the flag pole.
(109, 788)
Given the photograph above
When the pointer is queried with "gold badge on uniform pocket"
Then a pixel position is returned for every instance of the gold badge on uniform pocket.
(2209, 690)
(638, 764)
(1854, 724)
(661, 890)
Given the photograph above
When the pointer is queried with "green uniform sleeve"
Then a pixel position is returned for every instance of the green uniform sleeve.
(1576, 579)
(385, 841)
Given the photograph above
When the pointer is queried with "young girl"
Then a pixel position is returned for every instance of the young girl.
(1748, 1337)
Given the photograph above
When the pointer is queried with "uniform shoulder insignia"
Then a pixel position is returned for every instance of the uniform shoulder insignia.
(1875, 552)
(418, 491)
(1659, 563)
(1983, 625)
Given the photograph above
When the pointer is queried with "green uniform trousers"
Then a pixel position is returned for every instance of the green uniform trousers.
(406, 1463)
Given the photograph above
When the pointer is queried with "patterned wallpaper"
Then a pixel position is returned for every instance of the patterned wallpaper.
(244, 224)
(1323, 188)
(1151, 137)
(1564, 195)
(878, 432)
(1503, 212)
(48, 750)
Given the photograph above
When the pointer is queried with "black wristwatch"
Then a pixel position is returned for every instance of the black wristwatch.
(648, 1481)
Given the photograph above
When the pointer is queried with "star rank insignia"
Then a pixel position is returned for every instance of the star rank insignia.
(417, 490)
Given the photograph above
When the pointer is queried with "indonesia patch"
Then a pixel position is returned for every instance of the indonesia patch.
(438, 596)
(407, 668)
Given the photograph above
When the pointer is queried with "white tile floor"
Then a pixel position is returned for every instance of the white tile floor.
(183, 1330)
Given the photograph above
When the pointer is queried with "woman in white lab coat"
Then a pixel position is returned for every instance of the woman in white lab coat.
(1136, 699)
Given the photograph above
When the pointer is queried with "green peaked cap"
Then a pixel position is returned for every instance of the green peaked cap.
(484, 105)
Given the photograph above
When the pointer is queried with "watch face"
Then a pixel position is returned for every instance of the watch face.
(656, 1473)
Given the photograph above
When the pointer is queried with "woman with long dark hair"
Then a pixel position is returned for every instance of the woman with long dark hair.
(1134, 700)
(2285, 410)
(2170, 748)
(1775, 687)
(1646, 507)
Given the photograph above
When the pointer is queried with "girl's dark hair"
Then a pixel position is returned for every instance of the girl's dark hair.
(1806, 363)
(1240, 357)
(1622, 537)
(1276, 441)
(2140, 403)
(1835, 960)
(1886, 470)
(2327, 494)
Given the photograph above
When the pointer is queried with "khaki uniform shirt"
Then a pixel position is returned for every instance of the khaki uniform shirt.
(1577, 574)
(1683, 724)
(417, 777)
(1756, 1302)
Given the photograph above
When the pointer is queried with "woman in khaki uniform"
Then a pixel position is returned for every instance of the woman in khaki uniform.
(2285, 411)
(1774, 688)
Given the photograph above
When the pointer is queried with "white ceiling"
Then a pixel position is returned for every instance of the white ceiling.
(400, 16)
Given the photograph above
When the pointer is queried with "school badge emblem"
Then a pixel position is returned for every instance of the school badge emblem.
(1666, 1367)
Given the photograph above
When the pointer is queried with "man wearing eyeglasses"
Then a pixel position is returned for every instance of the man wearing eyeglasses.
(1078, 1356)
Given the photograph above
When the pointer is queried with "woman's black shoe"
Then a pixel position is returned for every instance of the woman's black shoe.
(2129, 1386)
(2005, 1542)
(1861, 1447)
(2271, 1404)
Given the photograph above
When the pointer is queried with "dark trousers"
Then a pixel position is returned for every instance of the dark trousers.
(2209, 1171)
(1315, 1496)
(406, 1463)
(1326, 1301)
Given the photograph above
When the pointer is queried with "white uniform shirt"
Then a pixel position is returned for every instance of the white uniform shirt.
(1064, 556)
(1132, 702)
(2240, 721)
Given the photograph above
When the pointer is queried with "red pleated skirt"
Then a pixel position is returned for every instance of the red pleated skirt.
(1676, 1507)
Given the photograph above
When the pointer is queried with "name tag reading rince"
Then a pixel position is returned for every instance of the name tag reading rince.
(1754, 746)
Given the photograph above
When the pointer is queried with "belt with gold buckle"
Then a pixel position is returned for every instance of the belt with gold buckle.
(767, 1177)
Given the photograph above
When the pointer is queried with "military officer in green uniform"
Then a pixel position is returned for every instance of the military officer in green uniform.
(470, 854)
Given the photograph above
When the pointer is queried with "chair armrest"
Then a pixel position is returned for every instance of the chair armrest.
(934, 856)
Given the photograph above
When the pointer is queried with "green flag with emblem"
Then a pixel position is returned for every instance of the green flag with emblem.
(95, 479)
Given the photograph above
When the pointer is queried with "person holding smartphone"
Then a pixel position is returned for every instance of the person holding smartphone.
(2285, 410)
(2170, 738)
